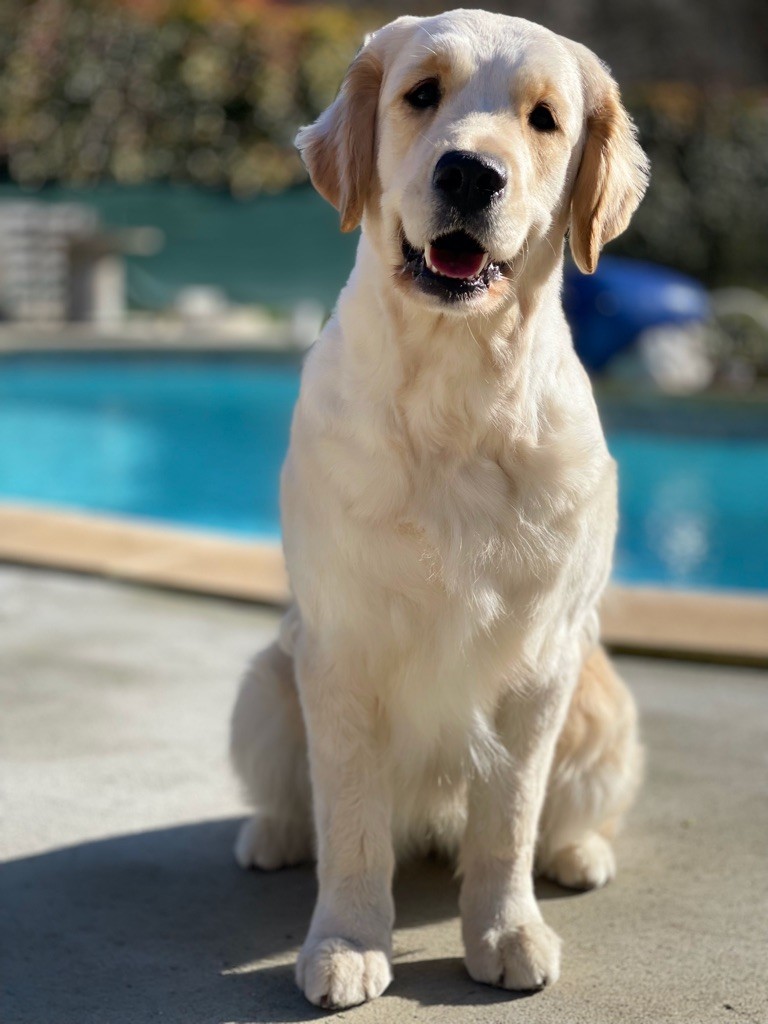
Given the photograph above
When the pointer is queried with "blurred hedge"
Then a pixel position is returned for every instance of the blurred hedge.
(143, 91)
(211, 92)
(706, 211)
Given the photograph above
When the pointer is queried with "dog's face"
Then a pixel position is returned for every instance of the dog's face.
(469, 141)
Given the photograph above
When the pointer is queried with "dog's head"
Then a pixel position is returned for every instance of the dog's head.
(468, 142)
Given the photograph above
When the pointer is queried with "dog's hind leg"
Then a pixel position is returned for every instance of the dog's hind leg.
(269, 752)
(594, 778)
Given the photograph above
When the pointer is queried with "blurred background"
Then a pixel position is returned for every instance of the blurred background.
(164, 264)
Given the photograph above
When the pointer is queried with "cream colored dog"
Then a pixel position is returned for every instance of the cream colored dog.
(449, 509)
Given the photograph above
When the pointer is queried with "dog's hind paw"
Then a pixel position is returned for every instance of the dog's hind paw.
(335, 974)
(269, 842)
(586, 864)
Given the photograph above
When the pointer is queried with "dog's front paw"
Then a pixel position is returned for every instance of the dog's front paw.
(335, 973)
(525, 958)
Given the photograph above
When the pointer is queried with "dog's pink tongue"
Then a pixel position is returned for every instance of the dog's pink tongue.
(456, 263)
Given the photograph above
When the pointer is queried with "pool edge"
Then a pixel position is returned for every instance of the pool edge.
(728, 626)
(142, 552)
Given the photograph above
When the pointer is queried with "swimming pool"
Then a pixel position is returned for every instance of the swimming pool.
(198, 440)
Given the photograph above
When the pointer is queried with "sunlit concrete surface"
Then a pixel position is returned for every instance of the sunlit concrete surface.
(120, 902)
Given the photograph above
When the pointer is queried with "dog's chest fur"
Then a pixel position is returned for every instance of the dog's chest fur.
(462, 540)
(444, 501)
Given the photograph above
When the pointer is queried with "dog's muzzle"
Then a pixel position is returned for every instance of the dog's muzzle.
(455, 265)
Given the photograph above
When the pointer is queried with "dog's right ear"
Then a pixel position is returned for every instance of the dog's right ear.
(339, 149)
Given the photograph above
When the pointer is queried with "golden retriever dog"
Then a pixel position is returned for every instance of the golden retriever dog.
(449, 510)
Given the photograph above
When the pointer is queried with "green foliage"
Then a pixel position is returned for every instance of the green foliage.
(90, 91)
(706, 210)
(212, 91)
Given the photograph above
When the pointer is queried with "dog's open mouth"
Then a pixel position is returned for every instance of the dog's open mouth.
(453, 266)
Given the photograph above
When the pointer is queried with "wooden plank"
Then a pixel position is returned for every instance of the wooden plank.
(139, 552)
(713, 624)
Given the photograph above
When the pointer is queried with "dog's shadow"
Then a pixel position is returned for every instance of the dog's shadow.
(163, 925)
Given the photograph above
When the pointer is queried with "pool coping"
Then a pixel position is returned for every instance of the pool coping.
(727, 626)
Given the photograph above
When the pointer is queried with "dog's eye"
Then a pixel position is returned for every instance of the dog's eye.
(541, 119)
(424, 95)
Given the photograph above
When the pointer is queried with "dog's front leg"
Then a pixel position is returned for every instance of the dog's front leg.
(346, 956)
(506, 940)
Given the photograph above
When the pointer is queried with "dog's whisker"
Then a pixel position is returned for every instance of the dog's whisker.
(429, 141)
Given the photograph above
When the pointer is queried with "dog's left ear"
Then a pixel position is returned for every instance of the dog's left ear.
(613, 174)
(339, 149)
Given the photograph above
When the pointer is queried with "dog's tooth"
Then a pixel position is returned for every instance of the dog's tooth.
(427, 260)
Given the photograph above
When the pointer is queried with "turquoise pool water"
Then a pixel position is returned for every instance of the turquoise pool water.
(198, 440)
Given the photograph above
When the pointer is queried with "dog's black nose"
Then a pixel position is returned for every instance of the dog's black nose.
(469, 181)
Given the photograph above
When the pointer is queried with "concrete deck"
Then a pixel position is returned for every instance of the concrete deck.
(121, 903)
